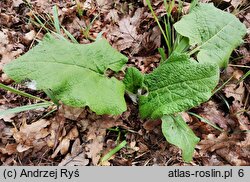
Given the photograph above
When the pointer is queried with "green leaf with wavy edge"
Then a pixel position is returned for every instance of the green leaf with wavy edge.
(215, 33)
(133, 80)
(177, 85)
(74, 73)
(178, 133)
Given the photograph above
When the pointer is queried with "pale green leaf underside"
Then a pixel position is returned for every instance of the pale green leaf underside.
(74, 73)
(215, 32)
(176, 86)
(178, 133)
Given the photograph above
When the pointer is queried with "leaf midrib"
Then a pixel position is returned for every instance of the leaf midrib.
(204, 43)
(31, 62)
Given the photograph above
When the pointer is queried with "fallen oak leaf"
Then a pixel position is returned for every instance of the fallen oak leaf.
(31, 135)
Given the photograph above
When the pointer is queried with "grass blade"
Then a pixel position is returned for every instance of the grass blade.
(162, 53)
(218, 89)
(56, 20)
(158, 23)
(206, 121)
(246, 75)
(72, 38)
(2, 86)
(113, 151)
(25, 108)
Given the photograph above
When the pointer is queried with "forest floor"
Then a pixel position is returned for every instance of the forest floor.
(77, 136)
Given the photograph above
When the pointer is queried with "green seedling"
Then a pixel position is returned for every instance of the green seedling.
(113, 151)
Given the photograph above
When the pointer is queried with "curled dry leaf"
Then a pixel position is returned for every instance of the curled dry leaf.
(63, 146)
(31, 135)
(125, 35)
(213, 160)
(57, 131)
(76, 157)
(28, 37)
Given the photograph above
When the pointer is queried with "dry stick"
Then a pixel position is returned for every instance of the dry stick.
(222, 85)
(240, 66)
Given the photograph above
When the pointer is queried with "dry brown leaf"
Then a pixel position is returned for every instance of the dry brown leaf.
(72, 113)
(213, 160)
(112, 16)
(128, 35)
(94, 149)
(63, 146)
(56, 129)
(211, 112)
(230, 148)
(105, 5)
(29, 37)
(31, 136)
(8, 51)
(232, 155)
(8, 19)
(76, 157)
(2, 126)
(150, 125)
(9, 149)
(146, 64)
(212, 143)
(237, 92)
(245, 53)
(96, 134)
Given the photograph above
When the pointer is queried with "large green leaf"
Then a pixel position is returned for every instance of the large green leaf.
(215, 32)
(177, 85)
(74, 73)
(178, 133)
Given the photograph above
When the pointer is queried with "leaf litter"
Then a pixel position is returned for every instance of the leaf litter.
(79, 137)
